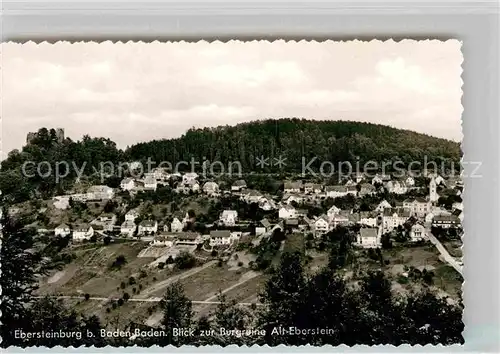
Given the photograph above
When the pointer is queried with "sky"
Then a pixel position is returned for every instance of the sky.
(133, 92)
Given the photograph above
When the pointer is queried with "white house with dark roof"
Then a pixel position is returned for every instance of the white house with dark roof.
(368, 237)
(127, 228)
(62, 230)
(384, 204)
(131, 215)
(321, 226)
(292, 186)
(189, 178)
(220, 238)
(392, 218)
(366, 189)
(176, 225)
(336, 191)
(148, 227)
(289, 198)
(417, 232)
(82, 232)
(418, 207)
(446, 221)
(332, 212)
(396, 187)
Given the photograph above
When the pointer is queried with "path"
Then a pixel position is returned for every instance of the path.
(246, 277)
(165, 283)
(447, 257)
(151, 299)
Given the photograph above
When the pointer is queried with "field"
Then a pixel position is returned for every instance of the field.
(91, 273)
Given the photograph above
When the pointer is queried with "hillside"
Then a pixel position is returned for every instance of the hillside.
(296, 138)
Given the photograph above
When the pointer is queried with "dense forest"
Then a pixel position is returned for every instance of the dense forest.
(332, 141)
(296, 138)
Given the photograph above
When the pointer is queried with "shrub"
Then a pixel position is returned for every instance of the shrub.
(123, 285)
(134, 290)
(131, 280)
(161, 265)
(240, 264)
(106, 240)
(143, 274)
(126, 296)
(214, 253)
(140, 286)
(87, 296)
(108, 310)
(185, 261)
(154, 279)
(120, 302)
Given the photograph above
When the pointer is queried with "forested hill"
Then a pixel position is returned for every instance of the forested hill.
(294, 138)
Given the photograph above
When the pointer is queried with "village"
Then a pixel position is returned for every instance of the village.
(422, 212)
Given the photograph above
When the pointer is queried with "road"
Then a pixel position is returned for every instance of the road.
(151, 299)
(447, 257)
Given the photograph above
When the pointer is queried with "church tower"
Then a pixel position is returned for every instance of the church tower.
(433, 196)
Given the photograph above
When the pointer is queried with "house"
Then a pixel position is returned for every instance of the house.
(396, 187)
(439, 180)
(189, 178)
(409, 181)
(131, 215)
(384, 204)
(417, 232)
(366, 189)
(104, 222)
(220, 238)
(128, 228)
(289, 198)
(211, 188)
(82, 232)
(313, 188)
(100, 192)
(127, 184)
(446, 221)
(292, 186)
(148, 227)
(336, 191)
(160, 174)
(341, 218)
(368, 238)
(264, 227)
(377, 179)
(436, 211)
(291, 225)
(350, 183)
(321, 226)
(81, 197)
(150, 183)
(369, 218)
(267, 204)
(188, 239)
(332, 212)
(193, 186)
(252, 196)
(176, 225)
(62, 230)
(163, 241)
(229, 217)
(238, 186)
(287, 212)
(418, 207)
(392, 218)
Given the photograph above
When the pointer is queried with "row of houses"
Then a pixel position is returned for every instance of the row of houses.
(215, 238)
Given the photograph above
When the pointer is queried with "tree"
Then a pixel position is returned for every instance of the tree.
(284, 296)
(18, 279)
(185, 260)
(177, 313)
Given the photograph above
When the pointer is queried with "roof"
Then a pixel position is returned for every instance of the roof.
(220, 233)
(367, 186)
(293, 185)
(187, 236)
(62, 226)
(399, 211)
(287, 207)
(292, 222)
(149, 180)
(229, 212)
(368, 232)
(239, 183)
(128, 223)
(82, 227)
(265, 223)
(99, 188)
(127, 180)
(336, 189)
(415, 200)
(148, 223)
(446, 218)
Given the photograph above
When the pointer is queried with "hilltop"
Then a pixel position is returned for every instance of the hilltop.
(296, 138)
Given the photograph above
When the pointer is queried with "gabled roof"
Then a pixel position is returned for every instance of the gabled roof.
(239, 183)
(447, 218)
(293, 185)
(368, 232)
(148, 223)
(62, 226)
(220, 233)
(336, 189)
(265, 223)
